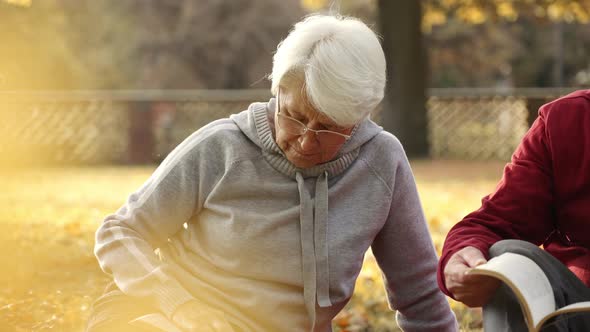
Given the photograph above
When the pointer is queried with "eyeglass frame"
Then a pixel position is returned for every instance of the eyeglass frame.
(305, 127)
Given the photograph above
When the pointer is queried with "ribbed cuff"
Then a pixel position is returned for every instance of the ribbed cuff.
(170, 296)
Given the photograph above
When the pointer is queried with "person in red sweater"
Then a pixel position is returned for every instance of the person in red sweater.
(543, 199)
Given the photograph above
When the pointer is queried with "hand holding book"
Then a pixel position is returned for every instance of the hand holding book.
(472, 289)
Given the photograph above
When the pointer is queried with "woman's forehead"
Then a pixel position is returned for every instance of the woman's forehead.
(298, 104)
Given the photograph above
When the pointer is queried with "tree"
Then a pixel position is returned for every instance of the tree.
(405, 96)
(404, 111)
(134, 44)
(213, 44)
(474, 11)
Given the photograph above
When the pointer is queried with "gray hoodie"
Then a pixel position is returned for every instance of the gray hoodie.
(227, 220)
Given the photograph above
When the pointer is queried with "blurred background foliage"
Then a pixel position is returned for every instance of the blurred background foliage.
(487, 43)
(49, 214)
(133, 44)
(48, 217)
(227, 44)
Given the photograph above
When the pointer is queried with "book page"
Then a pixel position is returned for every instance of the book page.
(568, 309)
(527, 281)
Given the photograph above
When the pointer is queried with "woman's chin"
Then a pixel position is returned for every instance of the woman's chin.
(302, 162)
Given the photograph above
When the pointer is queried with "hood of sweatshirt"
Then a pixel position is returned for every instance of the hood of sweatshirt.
(257, 124)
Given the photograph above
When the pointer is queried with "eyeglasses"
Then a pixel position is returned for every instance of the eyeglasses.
(296, 127)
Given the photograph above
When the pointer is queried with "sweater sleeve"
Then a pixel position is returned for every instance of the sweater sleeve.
(406, 255)
(519, 208)
(126, 241)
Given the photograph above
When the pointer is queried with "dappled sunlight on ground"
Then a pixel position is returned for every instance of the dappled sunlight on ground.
(48, 218)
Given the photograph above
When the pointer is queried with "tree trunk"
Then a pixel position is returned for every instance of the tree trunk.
(141, 137)
(558, 54)
(404, 106)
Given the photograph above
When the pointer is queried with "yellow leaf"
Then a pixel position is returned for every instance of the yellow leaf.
(555, 12)
(472, 14)
(313, 5)
(22, 3)
(507, 11)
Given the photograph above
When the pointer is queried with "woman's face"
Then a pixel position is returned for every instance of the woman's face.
(308, 149)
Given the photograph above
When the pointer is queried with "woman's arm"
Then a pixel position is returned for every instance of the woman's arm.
(405, 253)
(126, 240)
(519, 208)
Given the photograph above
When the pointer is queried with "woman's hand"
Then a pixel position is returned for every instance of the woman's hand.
(472, 290)
(196, 316)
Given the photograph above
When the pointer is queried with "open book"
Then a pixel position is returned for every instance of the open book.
(530, 285)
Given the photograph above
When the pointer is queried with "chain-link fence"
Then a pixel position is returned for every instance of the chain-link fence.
(482, 123)
(102, 127)
(107, 127)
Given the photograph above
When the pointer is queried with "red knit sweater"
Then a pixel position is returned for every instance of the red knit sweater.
(544, 194)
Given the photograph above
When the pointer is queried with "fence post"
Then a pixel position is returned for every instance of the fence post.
(141, 135)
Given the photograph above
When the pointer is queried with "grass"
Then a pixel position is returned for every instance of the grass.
(48, 218)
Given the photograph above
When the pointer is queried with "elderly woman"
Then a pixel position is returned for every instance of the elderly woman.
(261, 221)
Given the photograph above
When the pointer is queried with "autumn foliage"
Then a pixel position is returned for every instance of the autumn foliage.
(48, 218)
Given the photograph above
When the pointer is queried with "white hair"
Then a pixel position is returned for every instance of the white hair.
(341, 61)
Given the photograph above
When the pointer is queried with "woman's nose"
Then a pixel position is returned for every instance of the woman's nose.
(309, 141)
